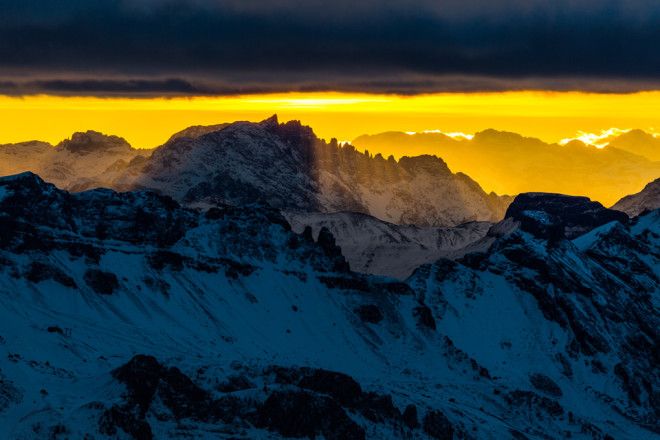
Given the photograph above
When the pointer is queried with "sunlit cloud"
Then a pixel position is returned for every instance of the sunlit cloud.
(599, 140)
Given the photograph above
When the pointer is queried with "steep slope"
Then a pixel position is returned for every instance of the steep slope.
(127, 316)
(647, 199)
(288, 167)
(82, 157)
(509, 163)
(381, 248)
(577, 319)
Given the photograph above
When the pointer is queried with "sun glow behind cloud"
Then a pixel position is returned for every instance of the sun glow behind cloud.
(599, 140)
(145, 123)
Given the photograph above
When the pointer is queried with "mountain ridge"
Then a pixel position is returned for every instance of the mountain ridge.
(129, 315)
(288, 167)
(647, 199)
(509, 163)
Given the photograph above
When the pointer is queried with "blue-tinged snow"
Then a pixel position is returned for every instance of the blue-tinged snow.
(497, 319)
(585, 241)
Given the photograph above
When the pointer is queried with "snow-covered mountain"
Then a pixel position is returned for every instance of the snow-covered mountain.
(381, 248)
(84, 156)
(288, 167)
(128, 316)
(647, 199)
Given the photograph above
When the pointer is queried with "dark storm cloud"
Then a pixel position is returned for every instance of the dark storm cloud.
(192, 47)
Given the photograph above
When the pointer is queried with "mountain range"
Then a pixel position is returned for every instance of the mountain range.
(509, 163)
(127, 315)
(283, 165)
(249, 281)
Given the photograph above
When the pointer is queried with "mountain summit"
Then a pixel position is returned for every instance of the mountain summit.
(647, 199)
(94, 142)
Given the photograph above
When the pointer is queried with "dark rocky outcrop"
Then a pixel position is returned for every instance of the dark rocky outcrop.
(303, 414)
(556, 216)
(437, 425)
(104, 283)
(543, 383)
(424, 316)
(369, 313)
(410, 417)
(338, 385)
(39, 272)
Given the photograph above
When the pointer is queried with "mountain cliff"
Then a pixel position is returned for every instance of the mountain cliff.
(647, 199)
(127, 315)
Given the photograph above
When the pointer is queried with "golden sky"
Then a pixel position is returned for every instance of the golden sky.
(147, 123)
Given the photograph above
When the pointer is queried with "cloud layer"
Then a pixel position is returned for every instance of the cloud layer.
(199, 47)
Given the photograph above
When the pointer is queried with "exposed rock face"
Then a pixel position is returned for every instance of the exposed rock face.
(92, 141)
(558, 216)
(436, 425)
(598, 290)
(647, 199)
(253, 330)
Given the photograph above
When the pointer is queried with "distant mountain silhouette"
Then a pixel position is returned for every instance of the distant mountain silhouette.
(638, 142)
(509, 163)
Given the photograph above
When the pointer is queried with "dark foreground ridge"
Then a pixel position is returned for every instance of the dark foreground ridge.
(253, 330)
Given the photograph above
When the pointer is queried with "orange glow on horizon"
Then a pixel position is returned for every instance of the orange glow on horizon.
(148, 122)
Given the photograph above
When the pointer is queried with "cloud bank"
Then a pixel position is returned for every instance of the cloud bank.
(206, 47)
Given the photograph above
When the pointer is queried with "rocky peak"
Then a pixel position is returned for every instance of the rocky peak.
(559, 216)
(92, 141)
(647, 199)
(270, 123)
(424, 164)
(24, 183)
(196, 131)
